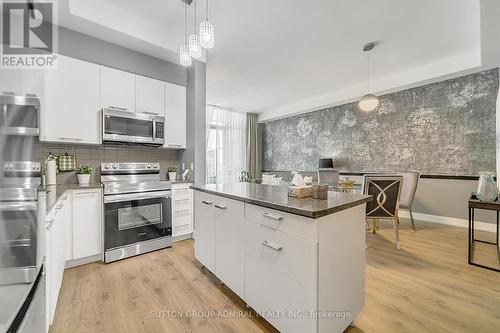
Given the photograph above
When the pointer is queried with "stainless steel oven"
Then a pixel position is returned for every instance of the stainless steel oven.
(137, 210)
(119, 125)
(19, 115)
(22, 219)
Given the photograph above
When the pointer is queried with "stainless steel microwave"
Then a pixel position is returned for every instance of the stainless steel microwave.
(120, 125)
(19, 115)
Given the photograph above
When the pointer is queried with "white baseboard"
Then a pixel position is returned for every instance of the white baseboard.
(82, 261)
(483, 226)
(182, 237)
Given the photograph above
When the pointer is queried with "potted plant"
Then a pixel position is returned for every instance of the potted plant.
(83, 173)
(172, 173)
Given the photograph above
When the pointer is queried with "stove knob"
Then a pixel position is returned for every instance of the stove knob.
(106, 166)
(115, 166)
(155, 166)
(148, 166)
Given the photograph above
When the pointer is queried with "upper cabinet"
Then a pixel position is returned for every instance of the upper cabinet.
(149, 95)
(70, 112)
(175, 116)
(117, 89)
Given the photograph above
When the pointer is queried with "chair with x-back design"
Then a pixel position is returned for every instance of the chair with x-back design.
(385, 190)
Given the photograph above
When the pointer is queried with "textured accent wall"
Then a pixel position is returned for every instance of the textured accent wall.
(443, 128)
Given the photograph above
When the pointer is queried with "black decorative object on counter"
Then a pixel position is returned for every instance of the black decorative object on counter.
(325, 163)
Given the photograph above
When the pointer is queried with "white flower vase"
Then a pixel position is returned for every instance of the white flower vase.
(172, 176)
(83, 179)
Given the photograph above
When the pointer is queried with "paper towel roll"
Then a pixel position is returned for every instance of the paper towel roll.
(51, 172)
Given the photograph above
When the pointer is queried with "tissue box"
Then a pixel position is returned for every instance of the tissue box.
(300, 192)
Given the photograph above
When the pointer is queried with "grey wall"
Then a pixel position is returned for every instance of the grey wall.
(77, 45)
(196, 117)
(441, 128)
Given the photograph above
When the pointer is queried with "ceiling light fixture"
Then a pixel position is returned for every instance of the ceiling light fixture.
(194, 40)
(207, 31)
(184, 57)
(369, 102)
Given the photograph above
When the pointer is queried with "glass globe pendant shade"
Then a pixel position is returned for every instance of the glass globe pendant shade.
(194, 46)
(184, 57)
(369, 102)
(207, 35)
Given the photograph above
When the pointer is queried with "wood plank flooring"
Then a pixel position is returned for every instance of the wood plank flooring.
(426, 286)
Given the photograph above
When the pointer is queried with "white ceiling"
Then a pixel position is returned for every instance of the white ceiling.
(282, 56)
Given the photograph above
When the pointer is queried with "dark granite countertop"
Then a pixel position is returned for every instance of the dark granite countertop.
(276, 197)
(54, 192)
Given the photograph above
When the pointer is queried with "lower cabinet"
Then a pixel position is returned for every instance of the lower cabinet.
(219, 238)
(87, 223)
(204, 229)
(73, 232)
(182, 209)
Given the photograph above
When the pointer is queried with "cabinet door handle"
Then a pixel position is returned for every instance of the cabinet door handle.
(69, 139)
(220, 207)
(273, 217)
(209, 203)
(272, 246)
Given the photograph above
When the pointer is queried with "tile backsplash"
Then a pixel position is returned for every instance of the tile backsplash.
(89, 155)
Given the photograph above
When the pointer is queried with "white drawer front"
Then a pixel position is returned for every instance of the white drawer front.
(182, 203)
(289, 255)
(299, 226)
(280, 281)
(182, 230)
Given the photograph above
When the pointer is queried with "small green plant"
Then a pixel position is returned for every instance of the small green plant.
(172, 168)
(245, 177)
(83, 170)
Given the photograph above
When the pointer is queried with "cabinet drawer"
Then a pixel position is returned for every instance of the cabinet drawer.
(182, 203)
(184, 191)
(182, 230)
(299, 226)
(180, 213)
(284, 253)
(283, 280)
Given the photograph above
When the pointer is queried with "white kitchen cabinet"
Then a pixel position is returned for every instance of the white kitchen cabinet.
(10, 81)
(55, 255)
(117, 89)
(229, 246)
(149, 95)
(175, 116)
(87, 223)
(204, 245)
(70, 112)
(182, 209)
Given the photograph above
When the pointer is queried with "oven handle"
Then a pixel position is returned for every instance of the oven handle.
(18, 206)
(136, 196)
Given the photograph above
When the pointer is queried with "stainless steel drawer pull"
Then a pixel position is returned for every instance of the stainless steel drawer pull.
(272, 246)
(71, 139)
(207, 202)
(273, 217)
(220, 207)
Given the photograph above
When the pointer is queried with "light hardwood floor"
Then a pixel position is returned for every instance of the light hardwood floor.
(426, 286)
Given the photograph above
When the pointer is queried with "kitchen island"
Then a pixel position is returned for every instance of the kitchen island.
(299, 263)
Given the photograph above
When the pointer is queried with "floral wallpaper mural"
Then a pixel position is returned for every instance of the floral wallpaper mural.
(445, 128)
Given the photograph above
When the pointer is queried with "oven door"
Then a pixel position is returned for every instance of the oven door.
(18, 241)
(136, 217)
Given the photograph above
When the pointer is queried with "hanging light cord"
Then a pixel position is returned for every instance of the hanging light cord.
(194, 19)
(206, 10)
(368, 61)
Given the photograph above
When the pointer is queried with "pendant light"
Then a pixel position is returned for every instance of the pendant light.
(207, 32)
(368, 102)
(184, 57)
(194, 40)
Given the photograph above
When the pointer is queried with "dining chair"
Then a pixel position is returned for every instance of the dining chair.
(386, 190)
(410, 182)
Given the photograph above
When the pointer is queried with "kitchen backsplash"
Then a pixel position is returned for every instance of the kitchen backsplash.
(441, 128)
(93, 156)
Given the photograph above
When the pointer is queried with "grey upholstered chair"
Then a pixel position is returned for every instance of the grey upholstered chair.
(386, 190)
(410, 182)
